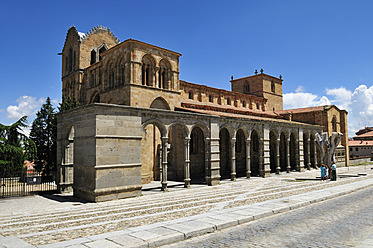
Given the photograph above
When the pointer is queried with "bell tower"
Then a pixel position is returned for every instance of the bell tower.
(261, 85)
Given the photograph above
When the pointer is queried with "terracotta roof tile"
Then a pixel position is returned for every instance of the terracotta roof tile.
(187, 103)
(360, 143)
(302, 110)
(250, 117)
(367, 134)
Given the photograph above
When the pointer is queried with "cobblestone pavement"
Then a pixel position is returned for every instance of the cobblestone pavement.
(58, 221)
(340, 222)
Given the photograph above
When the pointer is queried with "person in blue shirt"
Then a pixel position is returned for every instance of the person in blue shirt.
(322, 172)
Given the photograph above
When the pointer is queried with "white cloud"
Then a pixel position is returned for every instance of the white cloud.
(358, 103)
(303, 99)
(27, 105)
(300, 89)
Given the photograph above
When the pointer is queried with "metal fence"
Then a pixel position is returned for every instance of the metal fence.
(22, 183)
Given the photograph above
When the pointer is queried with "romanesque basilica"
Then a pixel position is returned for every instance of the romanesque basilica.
(138, 122)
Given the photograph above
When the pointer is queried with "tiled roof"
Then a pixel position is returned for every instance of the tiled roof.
(250, 117)
(360, 143)
(303, 110)
(364, 135)
(187, 103)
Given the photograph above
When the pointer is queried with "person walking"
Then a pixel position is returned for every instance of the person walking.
(322, 172)
(334, 172)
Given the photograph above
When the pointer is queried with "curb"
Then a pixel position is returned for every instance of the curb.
(168, 232)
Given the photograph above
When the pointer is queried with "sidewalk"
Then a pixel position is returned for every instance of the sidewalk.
(242, 201)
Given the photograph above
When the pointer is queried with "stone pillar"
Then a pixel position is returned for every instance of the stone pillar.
(233, 159)
(214, 153)
(164, 163)
(248, 165)
(266, 152)
(207, 161)
(278, 156)
(187, 163)
(261, 157)
(298, 156)
(308, 154)
(288, 167)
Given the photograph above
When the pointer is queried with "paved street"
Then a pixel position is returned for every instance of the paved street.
(159, 218)
(340, 222)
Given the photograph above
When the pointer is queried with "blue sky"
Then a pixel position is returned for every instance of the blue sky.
(323, 49)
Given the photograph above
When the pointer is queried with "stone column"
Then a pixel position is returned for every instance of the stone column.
(164, 163)
(187, 163)
(248, 165)
(297, 155)
(233, 159)
(261, 157)
(288, 167)
(308, 155)
(278, 156)
(207, 161)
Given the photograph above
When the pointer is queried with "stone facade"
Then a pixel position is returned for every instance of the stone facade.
(138, 122)
(331, 119)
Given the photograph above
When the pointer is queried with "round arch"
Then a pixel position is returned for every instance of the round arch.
(160, 103)
(158, 124)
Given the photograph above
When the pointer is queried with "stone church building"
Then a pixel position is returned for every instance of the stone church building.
(138, 122)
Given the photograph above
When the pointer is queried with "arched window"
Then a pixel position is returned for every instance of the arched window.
(93, 57)
(228, 101)
(100, 51)
(243, 104)
(190, 95)
(164, 74)
(147, 70)
(334, 124)
(247, 88)
(210, 98)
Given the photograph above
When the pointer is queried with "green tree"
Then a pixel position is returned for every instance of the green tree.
(44, 134)
(15, 147)
(68, 103)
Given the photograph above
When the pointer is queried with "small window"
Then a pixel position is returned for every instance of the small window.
(190, 95)
(272, 87)
(356, 149)
(247, 88)
(102, 49)
(228, 101)
(243, 104)
(257, 106)
(350, 149)
(210, 98)
(93, 57)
